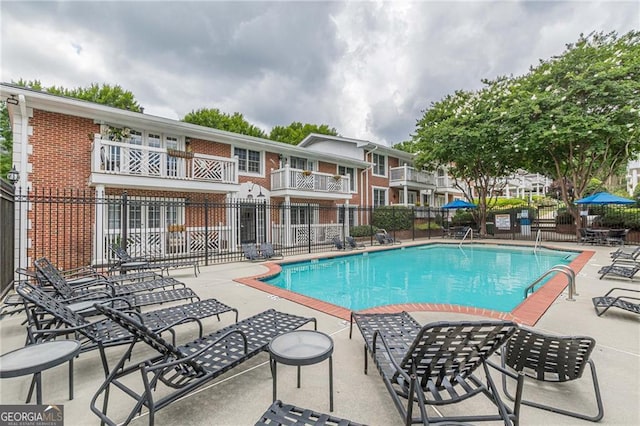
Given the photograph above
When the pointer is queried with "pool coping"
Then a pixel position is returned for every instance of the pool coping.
(528, 312)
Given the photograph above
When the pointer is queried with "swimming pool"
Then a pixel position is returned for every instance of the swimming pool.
(475, 275)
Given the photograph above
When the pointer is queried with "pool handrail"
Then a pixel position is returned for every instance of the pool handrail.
(469, 230)
(538, 239)
(567, 271)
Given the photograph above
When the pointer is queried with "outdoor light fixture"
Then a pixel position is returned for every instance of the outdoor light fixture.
(12, 100)
(250, 196)
(13, 176)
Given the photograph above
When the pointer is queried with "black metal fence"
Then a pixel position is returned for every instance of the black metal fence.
(7, 228)
(74, 228)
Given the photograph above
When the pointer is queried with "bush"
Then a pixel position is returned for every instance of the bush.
(427, 226)
(392, 218)
(564, 218)
(362, 231)
(463, 218)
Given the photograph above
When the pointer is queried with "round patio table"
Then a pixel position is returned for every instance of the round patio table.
(301, 347)
(34, 359)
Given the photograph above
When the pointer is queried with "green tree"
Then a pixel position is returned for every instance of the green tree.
(216, 119)
(465, 132)
(104, 94)
(406, 146)
(295, 132)
(578, 114)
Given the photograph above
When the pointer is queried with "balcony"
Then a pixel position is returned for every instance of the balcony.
(410, 177)
(115, 163)
(308, 184)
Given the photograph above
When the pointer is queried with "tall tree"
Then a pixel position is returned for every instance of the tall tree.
(104, 94)
(465, 133)
(295, 132)
(578, 114)
(216, 119)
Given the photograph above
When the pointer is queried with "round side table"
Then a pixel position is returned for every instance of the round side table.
(34, 359)
(301, 347)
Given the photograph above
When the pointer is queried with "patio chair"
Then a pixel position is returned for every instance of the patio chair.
(621, 255)
(383, 238)
(281, 414)
(619, 270)
(87, 274)
(616, 237)
(136, 294)
(435, 364)
(588, 237)
(353, 243)
(103, 333)
(186, 368)
(126, 262)
(550, 359)
(269, 252)
(251, 253)
(337, 242)
(603, 303)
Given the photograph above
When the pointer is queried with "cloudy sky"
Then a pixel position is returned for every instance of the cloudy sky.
(369, 69)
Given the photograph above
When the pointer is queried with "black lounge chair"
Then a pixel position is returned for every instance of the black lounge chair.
(435, 364)
(337, 241)
(353, 243)
(603, 303)
(624, 256)
(619, 270)
(281, 414)
(126, 262)
(88, 274)
(382, 237)
(135, 295)
(185, 368)
(587, 236)
(267, 250)
(550, 359)
(251, 253)
(49, 318)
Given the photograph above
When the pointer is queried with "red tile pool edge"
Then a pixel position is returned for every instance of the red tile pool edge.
(527, 313)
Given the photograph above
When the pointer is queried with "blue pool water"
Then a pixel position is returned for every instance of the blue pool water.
(478, 276)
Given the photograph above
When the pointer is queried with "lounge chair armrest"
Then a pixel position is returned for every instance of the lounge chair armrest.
(503, 370)
(97, 296)
(184, 320)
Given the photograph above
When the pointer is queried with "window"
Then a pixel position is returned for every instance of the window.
(351, 172)
(300, 163)
(411, 195)
(248, 160)
(379, 197)
(171, 142)
(352, 217)
(380, 167)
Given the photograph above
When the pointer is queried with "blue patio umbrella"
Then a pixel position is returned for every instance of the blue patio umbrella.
(459, 204)
(604, 198)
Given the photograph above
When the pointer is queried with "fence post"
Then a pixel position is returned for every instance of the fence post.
(125, 220)
(309, 227)
(206, 232)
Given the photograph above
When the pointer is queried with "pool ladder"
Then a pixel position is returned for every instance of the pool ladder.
(469, 231)
(538, 240)
(564, 269)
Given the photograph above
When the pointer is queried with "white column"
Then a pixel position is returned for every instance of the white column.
(99, 241)
(287, 218)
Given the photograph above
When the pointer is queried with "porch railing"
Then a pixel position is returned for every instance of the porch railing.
(305, 180)
(410, 174)
(121, 158)
(305, 234)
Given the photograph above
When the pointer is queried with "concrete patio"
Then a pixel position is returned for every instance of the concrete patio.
(240, 396)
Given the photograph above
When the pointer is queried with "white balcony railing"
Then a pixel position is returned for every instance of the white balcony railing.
(121, 158)
(303, 180)
(410, 174)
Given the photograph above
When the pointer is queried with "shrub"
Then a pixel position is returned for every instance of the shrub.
(392, 218)
(564, 218)
(428, 225)
(362, 231)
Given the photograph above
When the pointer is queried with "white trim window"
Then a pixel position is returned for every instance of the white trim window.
(351, 211)
(351, 172)
(249, 161)
(380, 164)
(301, 163)
(379, 197)
(411, 195)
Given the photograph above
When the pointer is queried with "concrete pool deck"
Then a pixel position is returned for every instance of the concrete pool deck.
(241, 395)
